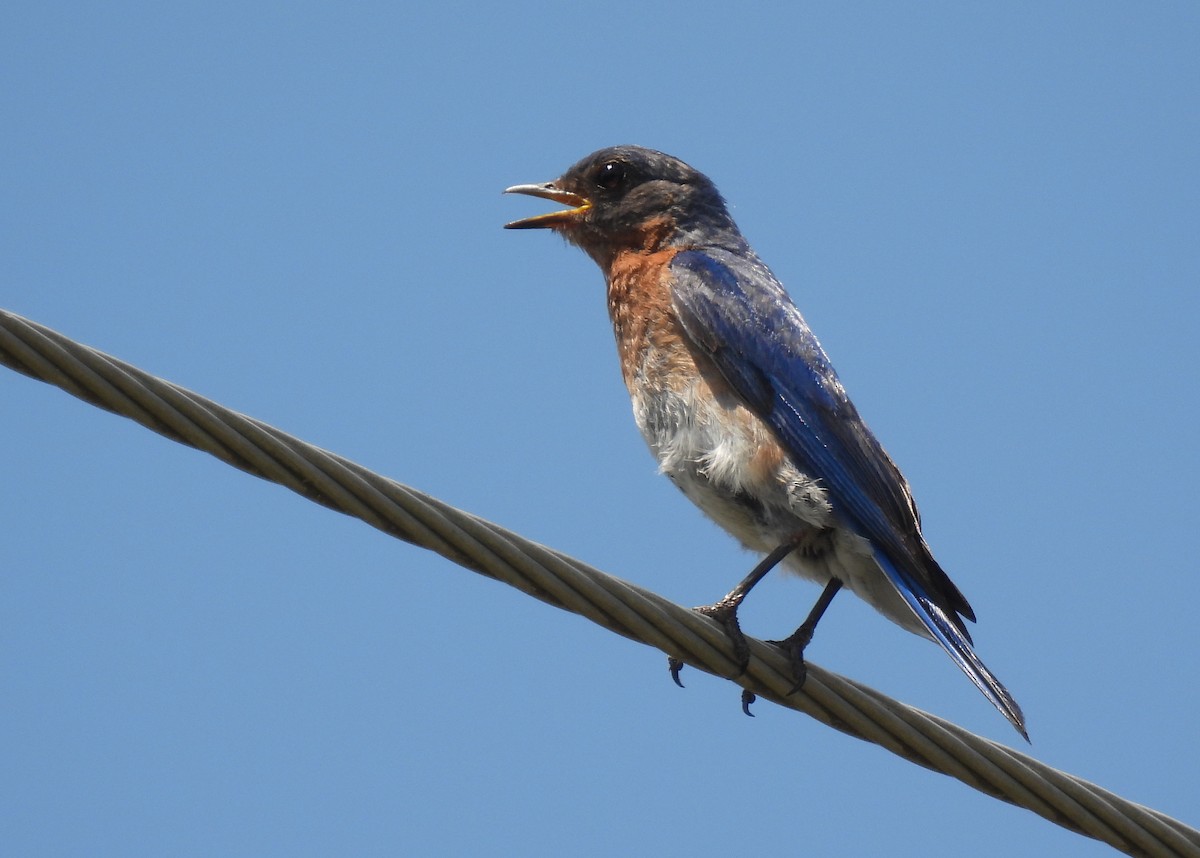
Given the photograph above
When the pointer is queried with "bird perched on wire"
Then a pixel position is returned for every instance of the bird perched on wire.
(742, 408)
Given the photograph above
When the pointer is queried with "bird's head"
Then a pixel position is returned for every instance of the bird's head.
(626, 198)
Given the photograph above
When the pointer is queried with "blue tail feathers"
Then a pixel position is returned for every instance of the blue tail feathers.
(956, 643)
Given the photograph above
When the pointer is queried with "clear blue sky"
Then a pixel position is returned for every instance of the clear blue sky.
(990, 217)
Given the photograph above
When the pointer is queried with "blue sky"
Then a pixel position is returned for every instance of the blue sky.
(989, 216)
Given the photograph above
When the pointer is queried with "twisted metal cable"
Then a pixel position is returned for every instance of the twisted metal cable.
(567, 583)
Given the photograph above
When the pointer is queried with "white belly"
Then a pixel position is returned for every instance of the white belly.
(711, 449)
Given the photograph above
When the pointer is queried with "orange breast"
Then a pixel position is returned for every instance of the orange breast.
(639, 305)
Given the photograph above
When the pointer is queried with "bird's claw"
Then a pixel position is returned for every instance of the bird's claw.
(725, 613)
(675, 665)
(748, 697)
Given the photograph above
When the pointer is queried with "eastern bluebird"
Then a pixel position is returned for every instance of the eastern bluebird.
(742, 408)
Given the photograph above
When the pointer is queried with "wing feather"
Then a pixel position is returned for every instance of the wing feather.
(734, 310)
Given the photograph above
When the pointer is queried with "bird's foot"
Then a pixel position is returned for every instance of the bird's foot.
(725, 613)
(793, 647)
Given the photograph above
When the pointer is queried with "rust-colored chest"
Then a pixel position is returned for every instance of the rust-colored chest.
(644, 322)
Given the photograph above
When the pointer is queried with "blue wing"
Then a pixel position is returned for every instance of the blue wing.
(737, 314)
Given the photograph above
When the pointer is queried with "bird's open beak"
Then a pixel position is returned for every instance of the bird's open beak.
(549, 191)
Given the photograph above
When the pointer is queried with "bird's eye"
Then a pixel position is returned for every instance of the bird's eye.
(611, 175)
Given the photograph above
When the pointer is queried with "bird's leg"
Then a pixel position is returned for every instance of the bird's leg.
(725, 611)
(793, 645)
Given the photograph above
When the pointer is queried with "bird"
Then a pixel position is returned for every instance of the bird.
(742, 408)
